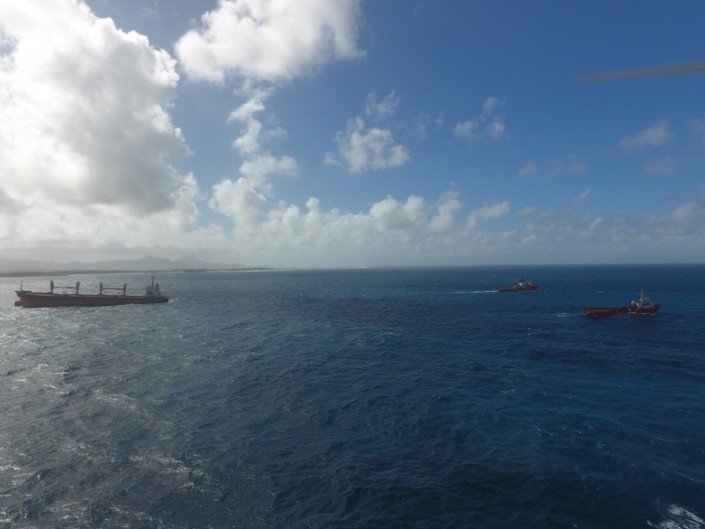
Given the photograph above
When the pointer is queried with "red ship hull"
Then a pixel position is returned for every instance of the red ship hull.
(604, 311)
(74, 298)
(609, 311)
(530, 288)
(30, 299)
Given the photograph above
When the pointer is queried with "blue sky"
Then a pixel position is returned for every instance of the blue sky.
(313, 133)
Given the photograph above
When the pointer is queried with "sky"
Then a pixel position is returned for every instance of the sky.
(351, 133)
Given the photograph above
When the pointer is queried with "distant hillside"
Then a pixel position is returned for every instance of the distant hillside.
(143, 264)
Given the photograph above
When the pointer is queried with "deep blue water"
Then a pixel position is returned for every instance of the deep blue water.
(381, 398)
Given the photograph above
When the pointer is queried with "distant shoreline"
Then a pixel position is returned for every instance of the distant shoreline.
(46, 273)
(66, 272)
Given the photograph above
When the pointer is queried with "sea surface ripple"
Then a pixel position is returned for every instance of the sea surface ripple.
(371, 398)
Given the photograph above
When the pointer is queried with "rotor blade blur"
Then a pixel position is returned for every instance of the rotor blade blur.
(671, 69)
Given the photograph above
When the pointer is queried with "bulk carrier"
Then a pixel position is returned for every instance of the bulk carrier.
(71, 297)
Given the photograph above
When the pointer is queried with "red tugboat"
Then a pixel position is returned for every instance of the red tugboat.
(70, 297)
(520, 286)
(641, 305)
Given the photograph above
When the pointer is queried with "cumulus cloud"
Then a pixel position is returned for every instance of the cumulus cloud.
(529, 168)
(487, 125)
(492, 211)
(8, 205)
(244, 199)
(381, 109)
(658, 237)
(70, 234)
(248, 143)
(444, 220)
(687, 210)
(271, 41)
(87, 140)
(414, 232)
(390, 231)
(87, 147)
(84, 112)
(389, 214)
(361, 149)
(657, 135)
(259, 45)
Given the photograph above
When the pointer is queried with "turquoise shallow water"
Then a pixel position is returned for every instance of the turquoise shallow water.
(390, 398)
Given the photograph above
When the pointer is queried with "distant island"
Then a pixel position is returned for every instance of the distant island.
(14, 268)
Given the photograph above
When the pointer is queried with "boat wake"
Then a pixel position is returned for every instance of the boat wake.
(464, 292)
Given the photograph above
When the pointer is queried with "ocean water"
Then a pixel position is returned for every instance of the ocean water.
(374, 398)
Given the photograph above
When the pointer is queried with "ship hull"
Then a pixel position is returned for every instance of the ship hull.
(610, 311)
(605, 311)
(40, 300)
(531, 288)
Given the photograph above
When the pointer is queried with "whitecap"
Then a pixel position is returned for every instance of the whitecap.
(677, 517)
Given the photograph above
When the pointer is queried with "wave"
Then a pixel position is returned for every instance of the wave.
(677, 517)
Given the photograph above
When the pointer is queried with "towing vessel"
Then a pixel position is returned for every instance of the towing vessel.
(522, 285)
(641, 305)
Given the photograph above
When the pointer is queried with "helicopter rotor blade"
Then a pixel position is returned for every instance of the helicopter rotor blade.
(669, 69)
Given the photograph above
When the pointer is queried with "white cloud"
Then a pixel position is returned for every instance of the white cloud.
(84, 113)
(530, 168)
(258, 45)
(248, 110)
(68, 234)
(487, 125)
(8, 205)
(650, 238)
(529, 210)
(657, 135)
(87, 140)
(444, 220)
(391, 231)
(87, 148)
(391, 215)
(489, 212)
(332, 160)
(249, 142)
(242, 200)
(253, 132)
(245, 198)
(260, 168)
(361, 149)
(272, 41)
(582, 196)
(418, 127)
(381, 109)
(685, 211)
(468, 129)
